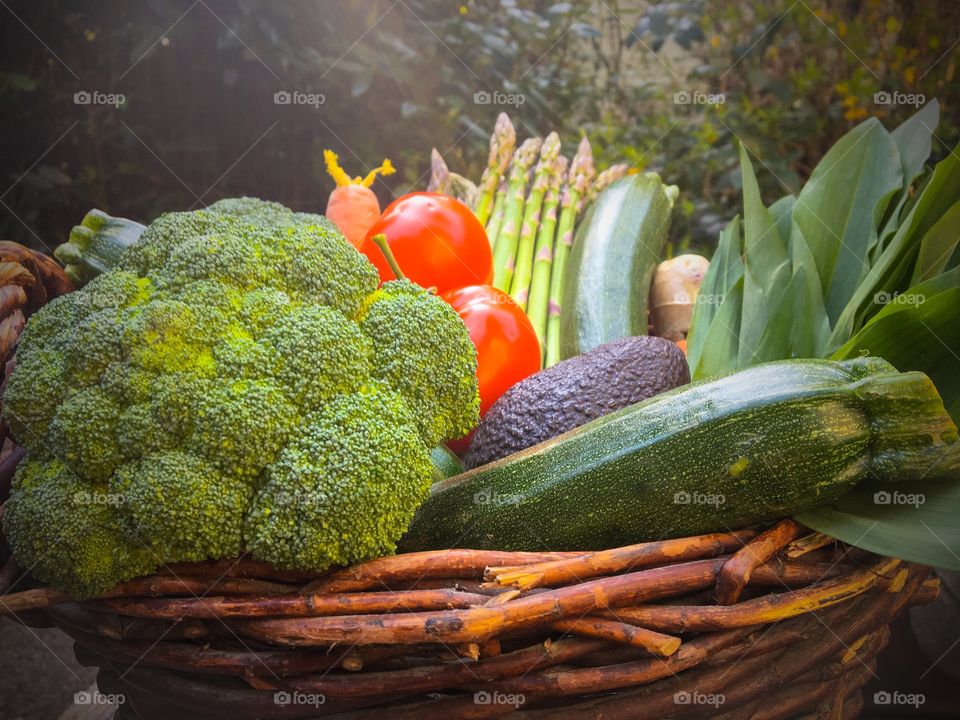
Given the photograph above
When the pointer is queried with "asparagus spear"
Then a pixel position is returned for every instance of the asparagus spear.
(448, 183)
(520, 285)
(608, 177)
(505, 247)
(502, 143)
(496, 216)
(439, 172)
(579, 183)
(543, 258)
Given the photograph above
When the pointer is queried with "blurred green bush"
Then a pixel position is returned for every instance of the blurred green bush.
(199, 119)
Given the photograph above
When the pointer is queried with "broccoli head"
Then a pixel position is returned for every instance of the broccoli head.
(418, 350)
(239, 384)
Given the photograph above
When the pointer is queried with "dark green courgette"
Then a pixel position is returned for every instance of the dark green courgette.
(445, 463)
(759, 444)
(617, 247)
(95, 245)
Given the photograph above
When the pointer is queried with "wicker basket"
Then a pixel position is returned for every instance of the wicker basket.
(781, 624)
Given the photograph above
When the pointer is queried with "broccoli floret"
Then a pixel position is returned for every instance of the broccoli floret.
(420, 349)
(181, 507)
(34, 392)
(239, 354)
(67, 531)
(240, 426)
(359, 451)
(320, 354)
(140, 431)
(84, 431)
(261, 308)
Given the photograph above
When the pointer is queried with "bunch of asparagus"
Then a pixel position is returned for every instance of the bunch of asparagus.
(529, 199)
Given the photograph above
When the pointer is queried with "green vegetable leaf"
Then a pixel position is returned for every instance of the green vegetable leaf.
(918, 330)
(722, 336)
(726, 268)
(936, 197)
(766, 266)
(914, 138)
(915, 522)
(938, 245)
(812, 327)
(841, 205)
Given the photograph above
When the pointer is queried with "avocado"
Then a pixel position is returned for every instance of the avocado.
(576, 391)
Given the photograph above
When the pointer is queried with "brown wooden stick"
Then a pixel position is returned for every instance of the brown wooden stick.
(381, 572)
(206, 659)
(29, 599)
(807, 544)
(807, 691)
(656, 643)
(293, 605)
(482, 623)
(438, 677)
(161, 585)
(245, 567)
(150, 586)
(736, 573)
(797, 574)
(609, 562)
(770, 608)
(612, 677)
(864, 615)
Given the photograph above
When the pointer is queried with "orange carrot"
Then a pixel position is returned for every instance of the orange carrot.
(353, 207)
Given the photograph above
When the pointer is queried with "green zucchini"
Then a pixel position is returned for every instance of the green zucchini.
(616, 249)
(95, 245)
(759, 444)
(445, 463)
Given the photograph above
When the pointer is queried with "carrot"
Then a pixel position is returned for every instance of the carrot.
(353, 207)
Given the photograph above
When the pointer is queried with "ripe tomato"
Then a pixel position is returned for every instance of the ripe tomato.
(507, 345)
(436, 239)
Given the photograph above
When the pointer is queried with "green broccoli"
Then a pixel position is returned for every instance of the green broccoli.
(67, 530)
(414, 352)
(180, 507)
(242, 385)
(359, 451)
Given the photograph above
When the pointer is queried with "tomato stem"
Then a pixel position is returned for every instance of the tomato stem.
(380, 240)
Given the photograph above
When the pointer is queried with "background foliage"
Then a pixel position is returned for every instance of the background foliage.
(400, 76)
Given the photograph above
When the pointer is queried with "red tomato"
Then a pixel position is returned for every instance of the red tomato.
(507, 345)
(436, 239)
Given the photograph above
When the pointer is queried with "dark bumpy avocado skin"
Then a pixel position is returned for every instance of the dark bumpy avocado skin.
(575, 391)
